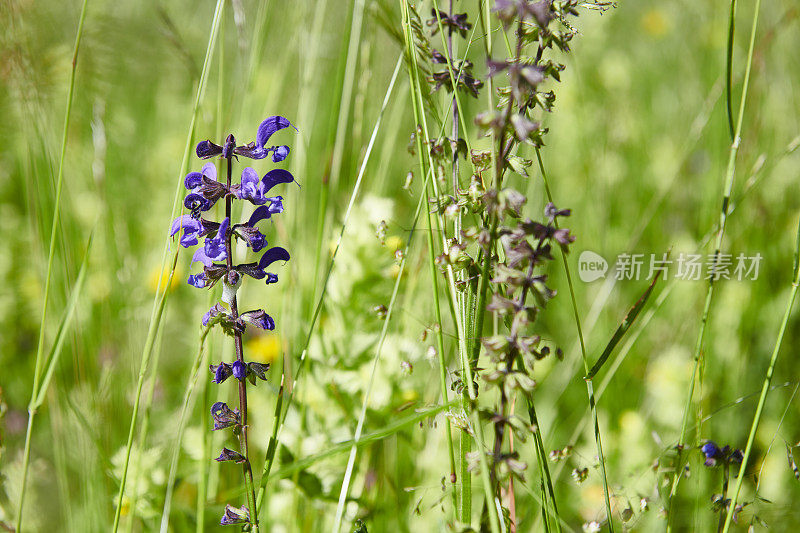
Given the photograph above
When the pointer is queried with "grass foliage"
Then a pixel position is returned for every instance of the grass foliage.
(675, 129)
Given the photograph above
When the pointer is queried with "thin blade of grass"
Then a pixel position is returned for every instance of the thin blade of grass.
(765, 387)
(280, 412)
(623, 328)
(50, 256)
(584, 357)
(729, 177)
(160, 299)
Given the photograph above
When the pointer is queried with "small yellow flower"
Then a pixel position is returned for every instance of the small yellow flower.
(264, 348)
(153, 281)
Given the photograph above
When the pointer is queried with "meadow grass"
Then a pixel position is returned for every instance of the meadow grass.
(372, 405)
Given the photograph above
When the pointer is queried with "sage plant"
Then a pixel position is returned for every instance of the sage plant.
(216, 257)
(498, 254)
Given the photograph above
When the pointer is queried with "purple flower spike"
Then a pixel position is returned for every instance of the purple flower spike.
(270, 126)
(234, 516)
(192, 229)
(239, 370)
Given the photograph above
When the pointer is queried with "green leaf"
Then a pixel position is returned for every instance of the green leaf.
(627, 322)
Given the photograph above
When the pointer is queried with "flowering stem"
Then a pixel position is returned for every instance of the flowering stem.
(247, 470)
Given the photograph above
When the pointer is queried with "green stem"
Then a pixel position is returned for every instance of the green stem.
(161, 297)
(729, 176)
(50, 255)
(765, 387)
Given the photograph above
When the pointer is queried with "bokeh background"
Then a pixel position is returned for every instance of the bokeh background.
(637, 148)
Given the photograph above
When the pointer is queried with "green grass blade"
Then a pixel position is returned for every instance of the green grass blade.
(186, 408)
(626, 323)
(729, 176)
(765, 387)
(161, 297)
(50, 255)
(279, 411)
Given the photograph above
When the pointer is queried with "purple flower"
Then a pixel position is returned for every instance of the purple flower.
(273, 254)
(255, 190)
(221, 372)
(224, 416)
(214, 247)
(230, 455)
(192, 229)
(198, 280)
(204, 189)
(207, 149)
(259, 319)
(234, 516)
(251, 187)
(239, 370)
(254, 150)
(715, 455)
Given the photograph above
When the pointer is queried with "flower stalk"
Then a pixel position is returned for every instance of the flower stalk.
(217, 257)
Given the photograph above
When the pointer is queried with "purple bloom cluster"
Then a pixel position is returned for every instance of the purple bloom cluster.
(715, 455)
(215, 254)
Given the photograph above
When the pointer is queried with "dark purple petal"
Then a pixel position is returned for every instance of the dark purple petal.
(280, 153)
(230, 455)
(270, 126)
(274, 177)
(197, 201)
(239, 370)
(273, 254)
(261, 213)
(221, 372)
(710, 450)
(272, 278)
(259, 319)
(207, 149)
(224, 416)
(198, 280)
(192, 180)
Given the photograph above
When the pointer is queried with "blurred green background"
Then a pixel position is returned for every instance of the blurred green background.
(637, 148)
